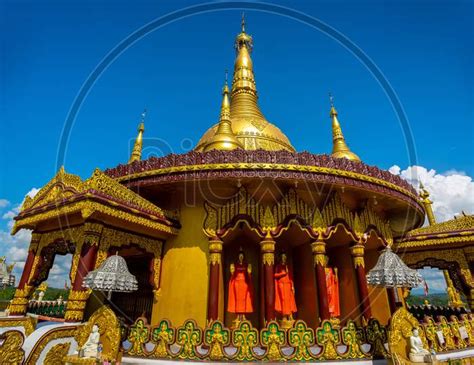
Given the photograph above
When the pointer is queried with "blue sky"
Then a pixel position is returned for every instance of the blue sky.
(49, 48)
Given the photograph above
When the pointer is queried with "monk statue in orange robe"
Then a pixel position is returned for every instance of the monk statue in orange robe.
(285, 303)
(332, 284)
(240, 288)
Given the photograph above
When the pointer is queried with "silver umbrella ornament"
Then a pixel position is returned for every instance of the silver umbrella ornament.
(112, 275)
(391, 272)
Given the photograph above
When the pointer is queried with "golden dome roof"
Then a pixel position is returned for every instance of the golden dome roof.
(249, 125)
(224, 137)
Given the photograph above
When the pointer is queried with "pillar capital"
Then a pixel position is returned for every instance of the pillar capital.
(35, 240)
(319, 253)
(357, 252)
(215, 250)
(267, 247)
(92, 233)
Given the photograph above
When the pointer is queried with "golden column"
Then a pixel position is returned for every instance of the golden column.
(267, 248)
(215, 258)
(357, 252)
(320, 261)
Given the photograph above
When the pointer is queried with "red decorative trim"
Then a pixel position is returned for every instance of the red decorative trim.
(268, 157)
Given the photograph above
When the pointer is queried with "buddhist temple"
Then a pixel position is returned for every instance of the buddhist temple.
(243, 249)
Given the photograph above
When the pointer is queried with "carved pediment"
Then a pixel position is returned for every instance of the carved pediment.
(60, 187)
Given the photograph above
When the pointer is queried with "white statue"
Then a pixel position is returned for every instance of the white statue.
(417, 352)
(40, 296)
(91, 347)
(59, 301)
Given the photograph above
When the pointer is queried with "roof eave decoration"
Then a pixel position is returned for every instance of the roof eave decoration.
(67, 194)
(456, 230)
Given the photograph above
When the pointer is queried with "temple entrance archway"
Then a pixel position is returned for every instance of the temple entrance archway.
(47, 257)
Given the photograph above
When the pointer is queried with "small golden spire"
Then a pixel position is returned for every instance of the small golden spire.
(137, 147)
(339, 148)
(427, 203)
(224, 137)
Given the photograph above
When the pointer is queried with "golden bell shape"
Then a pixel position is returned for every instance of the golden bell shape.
(224, 138)
(339, 148)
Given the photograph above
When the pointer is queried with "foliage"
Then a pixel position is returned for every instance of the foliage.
(51, 293)
(440, 299)
(54, 293)
(7, 293)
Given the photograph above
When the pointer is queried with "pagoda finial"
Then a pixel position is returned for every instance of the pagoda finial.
(243, 22)
(244, 90)
(339, 149)
(224, 137)
(137, 147)
(427, 203)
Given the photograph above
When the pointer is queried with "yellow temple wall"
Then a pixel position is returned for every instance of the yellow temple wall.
(184, 276)
(378, 296)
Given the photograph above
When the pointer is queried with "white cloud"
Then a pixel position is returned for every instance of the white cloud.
(434, 278)
(33, 192)
(9, 215)
(15, 248)
(451, 192)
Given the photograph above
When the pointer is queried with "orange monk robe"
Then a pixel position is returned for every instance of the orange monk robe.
(332, 283)
(240, 290)
(284, 295)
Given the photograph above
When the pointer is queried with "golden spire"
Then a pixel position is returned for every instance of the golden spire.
(224, 138)
(137, 147)
(339, 146)
(425, 200)
(244, 90)
(249, 125)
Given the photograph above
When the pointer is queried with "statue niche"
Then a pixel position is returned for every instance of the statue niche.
(240, 292)
(285, 304)
(241, 276)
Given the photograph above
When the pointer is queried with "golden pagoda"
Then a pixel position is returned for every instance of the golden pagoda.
(243, 250)
(249, 124)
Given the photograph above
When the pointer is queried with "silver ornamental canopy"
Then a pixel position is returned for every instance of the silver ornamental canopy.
(390, 271)
(112, 275)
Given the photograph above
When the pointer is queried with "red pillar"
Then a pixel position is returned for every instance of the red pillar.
(215, 254)
(78, 295)
(86, 263)
(359, 265)
(392, 300)
(267, 247)
(320, 260)
(27, 269)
